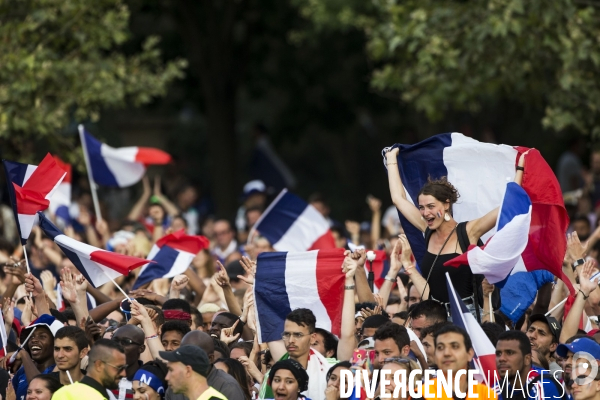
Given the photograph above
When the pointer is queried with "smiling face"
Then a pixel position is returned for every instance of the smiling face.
(37, 390)
(430, 208)
(142, 391)
(451, 353)
(220, 322)
(66, 353)
(284, 385)
(41, 345)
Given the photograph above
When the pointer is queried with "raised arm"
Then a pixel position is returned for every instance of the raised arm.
(480, 226)
(390, 279)
(409, 266)
(347, 341)
(410, 212)
(586, 287)
(138, 207)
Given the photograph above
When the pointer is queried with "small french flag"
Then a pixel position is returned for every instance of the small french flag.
(120, 167)
(291, 224)
(287, 281)
(61, 199)
(97, 265)
(30, 188)
(172, 255)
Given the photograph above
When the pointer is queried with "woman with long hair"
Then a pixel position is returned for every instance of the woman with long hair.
(445, 238)
(238, 371)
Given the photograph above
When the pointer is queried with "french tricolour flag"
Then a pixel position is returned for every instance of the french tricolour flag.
(30, 188)
(120, 167)
(286, 281)
(172, 255)
(61, 199)
(97, 265)
(291, 224)
(485, 352)
(480, 172)
(501, 255)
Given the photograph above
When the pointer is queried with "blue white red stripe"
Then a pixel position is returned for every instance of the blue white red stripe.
(97, 265)
(30, 188)
(171, 256)
(480, 172)
(120, 167)
(501, 255)
(286, 281)
(485, 352)
(291, 224)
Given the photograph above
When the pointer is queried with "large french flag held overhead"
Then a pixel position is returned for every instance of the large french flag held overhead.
(97, 265)
(30, 187)
(480, 172)
(291, 224)
(501, 255)
(172, 255)
(287, 281)
(485, 352)
(120, 167)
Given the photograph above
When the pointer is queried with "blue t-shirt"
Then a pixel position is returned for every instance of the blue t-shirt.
(20, 383)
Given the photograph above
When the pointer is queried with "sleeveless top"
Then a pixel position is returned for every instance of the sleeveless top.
(461, 277)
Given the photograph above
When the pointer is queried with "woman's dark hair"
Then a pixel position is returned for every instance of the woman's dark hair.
(52, 384)
(238, 371)
(442, 190)
(343, 364)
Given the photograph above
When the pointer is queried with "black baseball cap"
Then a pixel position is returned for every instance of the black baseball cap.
(190, 355)
(552, 323)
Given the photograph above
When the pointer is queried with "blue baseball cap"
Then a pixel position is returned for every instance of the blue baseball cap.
(587, 345)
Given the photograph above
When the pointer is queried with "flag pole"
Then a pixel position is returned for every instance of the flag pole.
(89, 173)
(118, 287)
(26, 259)
(556, 306)
(491, 308)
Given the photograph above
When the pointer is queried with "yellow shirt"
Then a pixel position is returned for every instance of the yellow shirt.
(78, 391)
(481, 392)
(211, 392)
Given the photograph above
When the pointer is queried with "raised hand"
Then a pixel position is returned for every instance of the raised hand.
(221, 277)
(48, 281)
(487, 287)
(585, 273)
(406, 254)
(8, 310)
(92, 331)
(139, 311)
(250, 268)
(67, 284)
(227, 335)
(349, 265)
(575, 249)
(33, 285)
(81, 284)
(179, 282)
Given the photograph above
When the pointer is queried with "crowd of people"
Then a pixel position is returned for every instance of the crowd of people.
(194, 336)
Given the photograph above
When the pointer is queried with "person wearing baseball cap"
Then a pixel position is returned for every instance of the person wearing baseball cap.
(188, 368)
(544, 333)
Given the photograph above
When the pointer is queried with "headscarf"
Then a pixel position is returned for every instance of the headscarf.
(295, 368)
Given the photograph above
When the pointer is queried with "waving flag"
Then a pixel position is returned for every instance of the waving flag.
(97, 265)
(291, 224)
(501, 255)
(30, 188)
(172, 255)
(485, 352)
(286, 281)
(120, 167)
(480, 172)
(61, 199)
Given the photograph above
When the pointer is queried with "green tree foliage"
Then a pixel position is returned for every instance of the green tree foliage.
(462, 55)
(62, 61)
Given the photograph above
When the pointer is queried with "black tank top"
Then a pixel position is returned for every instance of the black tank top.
(461, 277)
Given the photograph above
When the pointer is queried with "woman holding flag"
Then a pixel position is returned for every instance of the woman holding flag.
(445, 238)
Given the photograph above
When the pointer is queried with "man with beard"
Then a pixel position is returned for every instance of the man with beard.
(70, 347)
(106, 367)
(544, 333)
(39, 355)
(517, 379)
(298, 334)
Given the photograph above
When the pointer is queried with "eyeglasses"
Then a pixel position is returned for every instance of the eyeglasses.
(295, 335)
(125, 341)
(119, 369)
